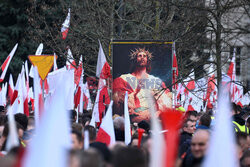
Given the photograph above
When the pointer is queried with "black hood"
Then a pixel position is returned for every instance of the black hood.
(238, 119)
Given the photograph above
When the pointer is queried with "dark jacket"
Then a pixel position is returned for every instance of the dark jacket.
(185, 136)
(184, 145)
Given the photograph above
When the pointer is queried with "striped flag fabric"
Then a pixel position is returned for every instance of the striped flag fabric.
(6, 63)
(106, 132)
(65, 26)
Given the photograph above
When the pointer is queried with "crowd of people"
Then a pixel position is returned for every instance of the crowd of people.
(194, 138)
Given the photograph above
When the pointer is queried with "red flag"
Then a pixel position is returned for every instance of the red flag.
(78, 72)
(191, 83)
(77, 97)
(210, 86)
(175, 68)
(231, 69)
(140, 133)
(65, 26)
(171, 121)
(6, 63)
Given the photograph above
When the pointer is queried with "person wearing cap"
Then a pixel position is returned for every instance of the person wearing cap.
(181, 109)
(210, 112)
(238, 122)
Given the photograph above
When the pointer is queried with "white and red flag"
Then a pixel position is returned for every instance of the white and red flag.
(6, 63)
(24, 93)
(231, 73)
(10, 87)
(106, 133)
(38, 97)
(78, 72)
(180, 91)
(127, 127)
(65, 26)
(175, 68)
(86, 98)
(102, 97)
(102, 68)
(210, 83)
(17, 99)
(70, 62)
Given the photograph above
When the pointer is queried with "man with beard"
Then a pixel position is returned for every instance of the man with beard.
(136, 84)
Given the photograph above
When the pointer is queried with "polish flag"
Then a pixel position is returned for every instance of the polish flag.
(106, 133)
(231, 69)
(38, 99)
(102, 68)
(82, 95)
(102, 97)
(25, 95)
(27, 77)
(210, 83)
(17, 99)
(39, 51)
(31, 98)
(6, 63)
(180, 90)
(231, 73)
(18, 88)
(20, 95)
(65, 26)
(10, 87)
(190, 107)
(70, 62)
(78, 72)
(87, 100)
(175, 68)
(127, 127)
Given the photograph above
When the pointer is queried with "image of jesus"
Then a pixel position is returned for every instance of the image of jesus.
(136, 84)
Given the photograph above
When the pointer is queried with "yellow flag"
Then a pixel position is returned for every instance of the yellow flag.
(43, 63)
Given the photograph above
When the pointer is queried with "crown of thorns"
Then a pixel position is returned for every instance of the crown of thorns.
(134, 53)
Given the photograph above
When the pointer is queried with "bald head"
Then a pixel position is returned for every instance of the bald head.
(199, 143)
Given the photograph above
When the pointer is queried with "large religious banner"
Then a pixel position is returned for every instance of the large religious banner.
(143, 69)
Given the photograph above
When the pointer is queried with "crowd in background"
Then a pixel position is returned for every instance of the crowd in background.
(194, 140)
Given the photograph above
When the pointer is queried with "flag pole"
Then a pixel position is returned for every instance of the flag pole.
(174, 73)
(43, 89)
